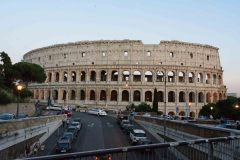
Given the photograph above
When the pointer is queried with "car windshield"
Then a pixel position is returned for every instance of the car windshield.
(140, 134)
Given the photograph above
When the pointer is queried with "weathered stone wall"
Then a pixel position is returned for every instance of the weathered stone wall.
(27, 108)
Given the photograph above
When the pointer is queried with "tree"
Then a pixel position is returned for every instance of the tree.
(155, 101)
(29, 72)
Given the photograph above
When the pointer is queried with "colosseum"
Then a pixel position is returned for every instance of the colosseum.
(114, 73)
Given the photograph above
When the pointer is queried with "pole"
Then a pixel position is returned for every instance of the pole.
(17, 105)
(165, 104)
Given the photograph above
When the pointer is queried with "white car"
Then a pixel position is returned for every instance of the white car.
(77, 125)
(136, 135)
(98, 112)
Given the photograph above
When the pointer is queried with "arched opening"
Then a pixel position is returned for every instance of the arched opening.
(64, 95)
(171, 77)
(171, 96)
(148, 96)
(83, 76)
(36, 94)
(191, 97)
(160, 96)
(137, 96)
(215, 97)
(182, 97)
(214, 79)
(192, 114)
(92, 95)
(208, 97)
(148, 76)
(93, 76)
(208, 78)
(103, 96)
(42, 94)
(200, 97)
(113, 95)
(103, 76)
(55, 95)
(114, 76)
(125, 75)
(181, 113)
(49, 77)
(82, 95)
(73, 76)
(200, 78)
(73, 95)
(160, 77)
(160, 113)
(219, 80)
(136, 76)
(191, 77)
(181, 77)
(220, 96)
(125, 95)
(171, 113)
(56, 77)
(65, 76)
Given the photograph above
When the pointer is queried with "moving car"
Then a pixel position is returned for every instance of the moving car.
(6, 116)
(124, 123)
(73, 129)
(136, 135)
(96, 111)
(76, 124)
(63, 146)
(144, 141)
(68, 135)
(121, 117)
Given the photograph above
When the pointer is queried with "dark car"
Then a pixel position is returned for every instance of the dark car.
(73, 129)
(68, 135)
(103, 157)
(144, 141)
(63, 146)
(121, 117)
(6, 116)
(129, 128)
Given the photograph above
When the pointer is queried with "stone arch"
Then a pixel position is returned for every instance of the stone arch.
(191, 77)
(73, 95)
(82, 95)
(65, 76)
(200, 78)
(55, 95)
(192, 114)
(181, 113)
(93, 76)
(103, 95)
(92, 95)
(64, 95)
(215, 97)
(114, 95)
(148, 96)
(182, 96)
(160, 95)
(160, 76)
(137, 96)
(126, 75)
(191, 97)
(220, 96)
(41, 94)
(200, 97)
(37, 94)
(50, 77)
(219, 79)
(208, 78)
(214, 79)
(181, 77)
(114, 76)
(137, 76)
(171, 113)
(57, 77)
(148, 76)
(171, 76)
(103, 75)
(74, 76)
(83, 76)
(208, 97)
(171, 96)
(125, 96)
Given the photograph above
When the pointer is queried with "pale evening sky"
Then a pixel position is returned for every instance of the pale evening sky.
(28, 24)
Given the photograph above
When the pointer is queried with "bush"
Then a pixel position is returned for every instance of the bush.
(5, 97)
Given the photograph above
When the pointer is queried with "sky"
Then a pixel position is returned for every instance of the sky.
(30, 24)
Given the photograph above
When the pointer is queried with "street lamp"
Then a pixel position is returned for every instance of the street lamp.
(19, 88)
(165, 103)
(237, 106)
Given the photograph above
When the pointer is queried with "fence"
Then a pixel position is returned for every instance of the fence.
(222, 148)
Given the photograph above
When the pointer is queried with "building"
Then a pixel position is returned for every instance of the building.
(115, 73)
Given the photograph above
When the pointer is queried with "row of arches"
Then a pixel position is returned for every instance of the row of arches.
(126, 96)
(137, 76)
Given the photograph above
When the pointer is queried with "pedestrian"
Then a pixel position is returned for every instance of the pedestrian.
(27, 150)
(63, 123)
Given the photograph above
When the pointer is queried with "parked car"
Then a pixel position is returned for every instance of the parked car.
(103, 157)
(144, 141)
(73, 129)
(146, 115)
(55, 107)
(136, 135)
(6, 116)
(63, 146)
(96, 111)
(124, 122)
(76, 124)
(129, 128)
(121, 117)
(22, 115)
(68, 135)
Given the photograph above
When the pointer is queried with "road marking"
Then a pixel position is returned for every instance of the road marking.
(91, 125)
(109, 124)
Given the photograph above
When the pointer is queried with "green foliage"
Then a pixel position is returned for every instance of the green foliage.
(5, 97)
(155, 101)
(143, 107)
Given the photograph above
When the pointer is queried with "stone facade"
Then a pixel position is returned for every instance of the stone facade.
(115, 73)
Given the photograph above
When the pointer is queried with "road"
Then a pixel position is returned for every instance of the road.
(96, 133)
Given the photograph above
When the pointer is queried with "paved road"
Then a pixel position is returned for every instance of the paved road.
(96, 133)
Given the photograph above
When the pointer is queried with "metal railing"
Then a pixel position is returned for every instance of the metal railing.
(222, 148)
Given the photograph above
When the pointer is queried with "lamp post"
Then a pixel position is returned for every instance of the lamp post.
(211, 116)
(189, 106)
(165, 103)
(19, 88)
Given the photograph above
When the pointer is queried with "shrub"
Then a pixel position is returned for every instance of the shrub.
(5, 97)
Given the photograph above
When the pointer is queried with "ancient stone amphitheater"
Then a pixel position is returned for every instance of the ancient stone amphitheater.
(114, 73)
